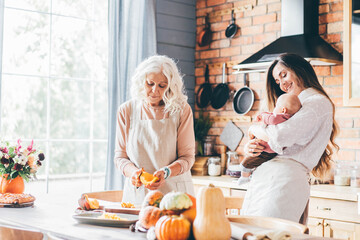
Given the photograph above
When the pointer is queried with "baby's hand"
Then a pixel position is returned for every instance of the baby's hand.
(258, 118)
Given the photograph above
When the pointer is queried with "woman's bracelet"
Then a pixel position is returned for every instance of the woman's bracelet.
(167, 172)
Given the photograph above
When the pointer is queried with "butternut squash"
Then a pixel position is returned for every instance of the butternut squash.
(211, 222)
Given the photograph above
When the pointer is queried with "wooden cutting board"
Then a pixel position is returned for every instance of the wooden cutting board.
(18, 205)
(117, 209)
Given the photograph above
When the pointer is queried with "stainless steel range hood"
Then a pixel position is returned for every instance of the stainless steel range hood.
(299, 34)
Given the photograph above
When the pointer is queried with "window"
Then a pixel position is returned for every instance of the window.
(54, 87)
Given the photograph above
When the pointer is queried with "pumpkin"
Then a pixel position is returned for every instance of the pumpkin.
(149, 215)
(175, 201)
(193, 200)
(211, 222)
(88, 204)
(189, 214)
(152, 198)
(15, 185)
(147, 178)
(172, 228)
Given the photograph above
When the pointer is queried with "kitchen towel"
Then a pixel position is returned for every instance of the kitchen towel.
(231, 136)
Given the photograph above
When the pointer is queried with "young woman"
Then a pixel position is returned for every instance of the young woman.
(280, 187)
(155, 131)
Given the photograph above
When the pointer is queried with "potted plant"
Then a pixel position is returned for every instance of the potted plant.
(201, 129)
(16, 164)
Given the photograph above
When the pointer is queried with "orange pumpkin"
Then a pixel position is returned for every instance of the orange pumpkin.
(172, 228)
(15, 185)
(147, 178)
(193, 199)
(149, 215)
(86, 204)
(152, 198)
(189, 214)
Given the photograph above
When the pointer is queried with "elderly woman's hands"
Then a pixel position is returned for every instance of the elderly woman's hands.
(160, 175)
(135, 178)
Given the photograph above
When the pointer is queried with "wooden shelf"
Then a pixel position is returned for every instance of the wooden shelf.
(234, 119)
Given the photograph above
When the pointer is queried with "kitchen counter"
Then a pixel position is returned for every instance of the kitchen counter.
(321, 190)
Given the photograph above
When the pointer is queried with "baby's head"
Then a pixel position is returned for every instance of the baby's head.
(287, 103)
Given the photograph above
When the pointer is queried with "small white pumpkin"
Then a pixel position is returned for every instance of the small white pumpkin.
(175, 201)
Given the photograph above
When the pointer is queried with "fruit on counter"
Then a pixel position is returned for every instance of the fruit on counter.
(127, 205)
(152, 198)
(175, 201)
(147, 178)
(172, 228)
(86, 204)
(189, 214)
(211, 222)
(149, 215)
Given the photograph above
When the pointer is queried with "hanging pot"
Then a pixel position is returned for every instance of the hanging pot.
(203, 95)
(243, 99)
(232, 28)
(220, 94)
(204, 37)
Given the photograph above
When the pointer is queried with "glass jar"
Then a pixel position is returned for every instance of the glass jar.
(342, 175)
(208, 145)
(355, 176)
(214, 167)
(233, 164)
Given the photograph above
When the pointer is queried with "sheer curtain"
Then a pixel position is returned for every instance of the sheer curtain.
(1, 47)
(132, 38)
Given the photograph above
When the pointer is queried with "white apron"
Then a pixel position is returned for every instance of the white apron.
(278, 188)
(152, 144)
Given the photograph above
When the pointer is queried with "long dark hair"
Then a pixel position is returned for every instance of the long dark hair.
(306, 74)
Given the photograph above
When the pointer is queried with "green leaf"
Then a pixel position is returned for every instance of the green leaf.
(202, 126)
(14, 174)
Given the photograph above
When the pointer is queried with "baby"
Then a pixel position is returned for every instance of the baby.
(286, 106)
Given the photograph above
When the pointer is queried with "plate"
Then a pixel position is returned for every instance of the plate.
(92, 218)
(118, 209)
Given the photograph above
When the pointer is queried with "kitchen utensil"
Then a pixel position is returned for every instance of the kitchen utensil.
(204, 37)
(220, 94)
(232, 28)
(203, 95)
(119, 209)
(243, 99)
(231, 136)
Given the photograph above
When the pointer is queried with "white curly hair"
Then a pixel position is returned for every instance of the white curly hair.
(174, 96)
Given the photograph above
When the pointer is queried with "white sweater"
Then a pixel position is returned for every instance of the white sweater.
(305, 135)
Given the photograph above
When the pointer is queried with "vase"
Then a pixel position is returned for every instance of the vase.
(15, 185)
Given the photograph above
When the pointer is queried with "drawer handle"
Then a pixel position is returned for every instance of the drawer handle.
(324, 209)
(327, 225)
(318, 223)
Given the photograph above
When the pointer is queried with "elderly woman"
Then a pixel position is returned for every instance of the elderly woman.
(155, 131)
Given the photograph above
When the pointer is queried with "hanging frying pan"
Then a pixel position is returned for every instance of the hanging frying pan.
(204, 36)
(232, 28)
(243, 99)
(203, 95)
(220, 94)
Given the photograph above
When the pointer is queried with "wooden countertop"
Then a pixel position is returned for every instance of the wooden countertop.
(321, 190)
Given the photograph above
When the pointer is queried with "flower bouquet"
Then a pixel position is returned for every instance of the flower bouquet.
(17, 161)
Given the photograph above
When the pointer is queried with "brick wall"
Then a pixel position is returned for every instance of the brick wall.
(257, 28)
